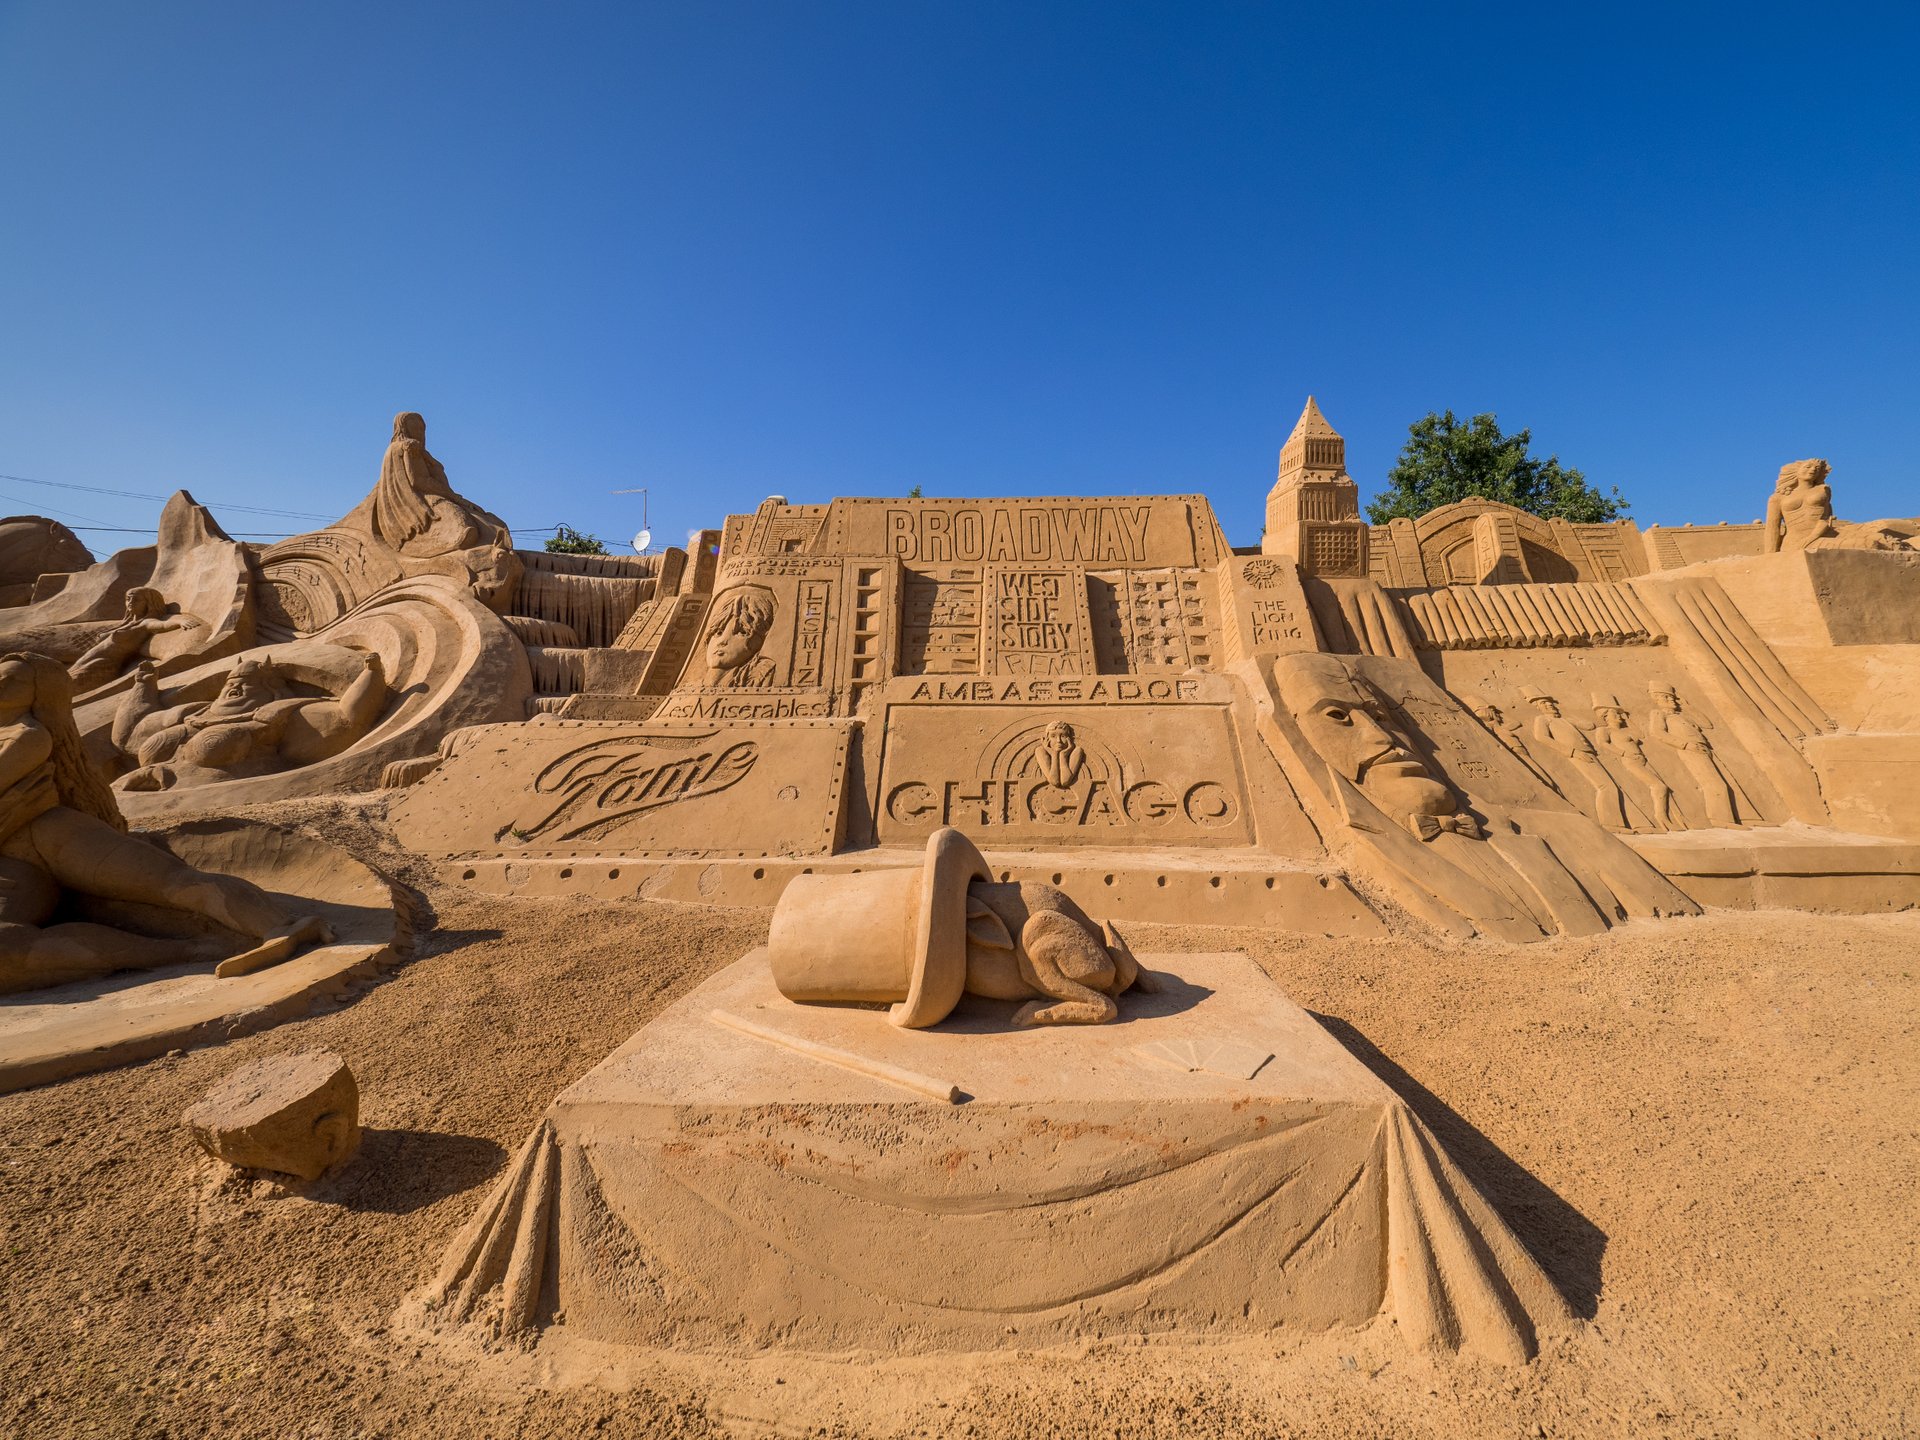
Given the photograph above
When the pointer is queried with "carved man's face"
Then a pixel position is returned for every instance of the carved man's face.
(1345, 720)
(245, 686)
(1667, 701)
(1609, 717)
(1547, 705)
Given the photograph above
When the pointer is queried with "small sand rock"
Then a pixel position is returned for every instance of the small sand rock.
(296, 1114)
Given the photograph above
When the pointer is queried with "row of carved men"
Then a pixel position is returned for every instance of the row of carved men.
(1611, 737)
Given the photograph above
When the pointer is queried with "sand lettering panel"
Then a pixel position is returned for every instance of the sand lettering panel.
(1052, 530)
(602, 787)
(1102, 760)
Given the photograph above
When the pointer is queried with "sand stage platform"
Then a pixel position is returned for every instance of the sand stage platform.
(749, 1173)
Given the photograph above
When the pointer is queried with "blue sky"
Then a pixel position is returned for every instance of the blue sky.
(725, 250)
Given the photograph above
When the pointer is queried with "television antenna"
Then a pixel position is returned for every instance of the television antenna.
(645, 537)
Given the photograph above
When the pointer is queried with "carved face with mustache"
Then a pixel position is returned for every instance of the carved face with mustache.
(1345, 720)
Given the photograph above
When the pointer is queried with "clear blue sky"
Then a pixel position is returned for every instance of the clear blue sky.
(725, 250)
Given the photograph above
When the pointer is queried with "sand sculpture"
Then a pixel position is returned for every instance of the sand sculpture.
(1800, 516)
(36, 556)
(1089, 687)
(63, 837)
(918, 940)
(259, 723)
(747, 1172)
(293, 1114)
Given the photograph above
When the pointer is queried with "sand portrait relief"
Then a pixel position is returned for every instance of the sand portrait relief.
(894, 963)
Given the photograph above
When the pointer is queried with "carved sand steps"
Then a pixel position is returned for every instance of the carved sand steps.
(592, 595)
(566, 605)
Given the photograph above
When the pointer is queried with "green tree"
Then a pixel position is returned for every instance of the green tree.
(1446, 459)
(568, 541)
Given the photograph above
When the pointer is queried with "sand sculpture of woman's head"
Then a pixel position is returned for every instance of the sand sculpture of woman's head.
(410, 425)
(145, 603)
(1802, 474)
(738, 626)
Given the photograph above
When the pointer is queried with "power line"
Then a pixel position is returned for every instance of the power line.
(136, 495)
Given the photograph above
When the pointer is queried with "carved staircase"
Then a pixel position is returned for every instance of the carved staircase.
(566, 606)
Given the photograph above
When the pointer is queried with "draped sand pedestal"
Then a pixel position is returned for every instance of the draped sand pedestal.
(748, 1172)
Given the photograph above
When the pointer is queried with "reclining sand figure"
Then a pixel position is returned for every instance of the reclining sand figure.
(1800, 516)
(60, 831)
(146, 617)
(253, 727)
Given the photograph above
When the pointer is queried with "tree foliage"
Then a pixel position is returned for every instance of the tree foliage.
(1447, 459)
(568, 541)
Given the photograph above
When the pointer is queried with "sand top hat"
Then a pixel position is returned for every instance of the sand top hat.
(1534, 692)
(1606, 702)
(893, 935)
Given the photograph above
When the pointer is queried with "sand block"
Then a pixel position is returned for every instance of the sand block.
(1213, 1162)
(298, 1114)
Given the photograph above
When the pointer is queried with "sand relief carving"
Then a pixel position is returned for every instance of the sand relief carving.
(148, 615)
(62, 838)
(1613, 735)
(1800, 516)
(1687, 737)
(262, 721)
(1464, 826)
(1510, 733)
(736, 631)
(600, 785)
(918, 939)
(1558, 735)
(1058, 775)
(1346, 722)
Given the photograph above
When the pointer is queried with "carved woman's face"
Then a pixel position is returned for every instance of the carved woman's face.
(739, 627)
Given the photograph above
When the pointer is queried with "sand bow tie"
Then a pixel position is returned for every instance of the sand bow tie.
(1429, 826)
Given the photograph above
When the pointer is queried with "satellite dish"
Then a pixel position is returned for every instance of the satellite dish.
(641, 541)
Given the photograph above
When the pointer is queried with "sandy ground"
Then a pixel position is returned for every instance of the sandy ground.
(1707, 1131)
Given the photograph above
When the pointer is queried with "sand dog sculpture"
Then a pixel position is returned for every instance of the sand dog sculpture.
(148, 614)
(256, 725)
(61, 834)
(920, 939)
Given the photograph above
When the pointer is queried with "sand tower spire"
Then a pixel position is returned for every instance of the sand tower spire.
(1313, 510)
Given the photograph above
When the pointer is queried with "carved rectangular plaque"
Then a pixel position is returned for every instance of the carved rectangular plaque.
(1134, 772)
(654, 788)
